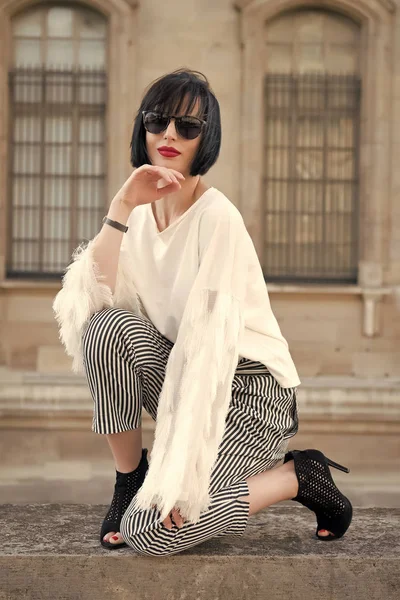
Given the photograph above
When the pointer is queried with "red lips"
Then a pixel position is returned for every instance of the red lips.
(168, 151)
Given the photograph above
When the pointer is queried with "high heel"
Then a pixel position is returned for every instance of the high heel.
(318, 492)
(126, 486)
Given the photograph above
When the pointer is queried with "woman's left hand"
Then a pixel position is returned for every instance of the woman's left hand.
(176, 516)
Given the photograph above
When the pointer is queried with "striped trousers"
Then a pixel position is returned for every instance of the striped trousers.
(125, 358)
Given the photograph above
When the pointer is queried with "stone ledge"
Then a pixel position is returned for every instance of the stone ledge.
(51, 551)
(351, 404)
(63, 482)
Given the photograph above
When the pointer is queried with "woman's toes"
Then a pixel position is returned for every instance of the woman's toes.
(113, 538)
(116, 538)
(324, 533)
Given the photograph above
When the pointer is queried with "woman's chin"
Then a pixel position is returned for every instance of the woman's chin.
(171, 163)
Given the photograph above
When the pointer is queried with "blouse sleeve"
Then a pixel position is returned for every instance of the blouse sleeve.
(197, 386)
(83, 293)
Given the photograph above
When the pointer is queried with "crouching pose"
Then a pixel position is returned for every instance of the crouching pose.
(167, 308)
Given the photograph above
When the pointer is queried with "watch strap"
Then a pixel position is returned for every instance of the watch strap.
(115, 224)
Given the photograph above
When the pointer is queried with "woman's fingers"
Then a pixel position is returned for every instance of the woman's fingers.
(169, 176)
(170, 171)
(178, 174)
(174, 518)
(165, 171)
(179, 520)
(167, 523)
(167, 189)
(165, 179)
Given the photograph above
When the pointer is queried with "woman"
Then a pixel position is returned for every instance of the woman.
(167, 308)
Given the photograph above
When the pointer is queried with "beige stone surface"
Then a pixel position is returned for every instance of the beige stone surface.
(53, 359)
(277, 556)
(29, 309)
(325, 326)
(20, 337)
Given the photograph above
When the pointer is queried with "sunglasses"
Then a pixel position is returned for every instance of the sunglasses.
(188, 127)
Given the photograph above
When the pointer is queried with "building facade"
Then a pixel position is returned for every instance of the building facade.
(309, 93)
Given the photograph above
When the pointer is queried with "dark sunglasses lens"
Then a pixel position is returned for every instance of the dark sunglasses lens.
(189, 128)
(155, 123)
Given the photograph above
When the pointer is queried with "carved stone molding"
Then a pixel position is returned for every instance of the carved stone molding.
(107, 7)
(388, 5)
(45, 401)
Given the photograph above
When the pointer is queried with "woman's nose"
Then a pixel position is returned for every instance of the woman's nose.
(171, 131)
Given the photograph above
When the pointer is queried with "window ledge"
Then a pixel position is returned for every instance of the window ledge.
(326, 289)
(29, 284)
(371, 297)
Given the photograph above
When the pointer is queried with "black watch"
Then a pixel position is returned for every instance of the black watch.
(115, 224)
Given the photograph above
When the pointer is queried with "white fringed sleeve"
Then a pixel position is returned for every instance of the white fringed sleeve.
(83, 293)
(196, 392)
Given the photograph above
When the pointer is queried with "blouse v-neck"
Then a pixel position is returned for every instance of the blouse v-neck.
(179, 219)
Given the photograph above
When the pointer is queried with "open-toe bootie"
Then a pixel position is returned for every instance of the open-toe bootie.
(318, 492)
(126, 486)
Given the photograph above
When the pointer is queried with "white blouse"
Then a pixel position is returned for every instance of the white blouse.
(199, 281)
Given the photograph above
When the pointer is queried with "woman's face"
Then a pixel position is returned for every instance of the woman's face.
(170, 137)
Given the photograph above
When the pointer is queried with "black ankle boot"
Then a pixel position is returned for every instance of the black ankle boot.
(318, 492)
(126, 486)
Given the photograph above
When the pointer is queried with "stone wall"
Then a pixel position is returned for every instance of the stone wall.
(346, 331)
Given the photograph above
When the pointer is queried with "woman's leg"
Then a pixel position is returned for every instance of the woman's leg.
(262, 417)
(228, 514)
(124, 358)
(126, 448)
(146, 534)
(271, 486)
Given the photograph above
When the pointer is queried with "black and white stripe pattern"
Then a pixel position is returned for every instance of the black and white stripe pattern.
(125, 358)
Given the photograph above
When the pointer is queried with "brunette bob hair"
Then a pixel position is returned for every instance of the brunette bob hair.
(167, 94)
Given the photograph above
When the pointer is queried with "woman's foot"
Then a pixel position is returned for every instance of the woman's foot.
(126, 487)
(318, 492)
(290, 465)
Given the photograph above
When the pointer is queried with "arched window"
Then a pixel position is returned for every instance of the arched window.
(311, 147)
(57, 108)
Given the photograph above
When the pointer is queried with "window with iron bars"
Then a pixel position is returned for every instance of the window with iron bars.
(57, 139)
(311, 178)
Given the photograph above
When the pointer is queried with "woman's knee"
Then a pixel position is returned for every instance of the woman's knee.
(147, 538)
(106, 328)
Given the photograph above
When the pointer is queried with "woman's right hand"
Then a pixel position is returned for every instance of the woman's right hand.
(147, 184)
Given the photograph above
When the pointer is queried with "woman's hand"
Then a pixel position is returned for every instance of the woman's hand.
(175, 516)
(147, 184)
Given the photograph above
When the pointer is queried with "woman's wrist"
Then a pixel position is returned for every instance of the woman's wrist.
(119, 210)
